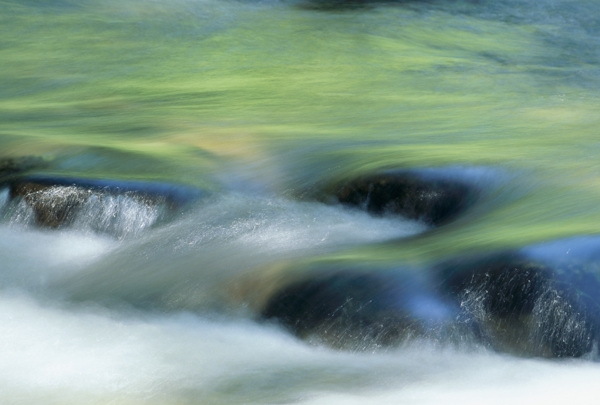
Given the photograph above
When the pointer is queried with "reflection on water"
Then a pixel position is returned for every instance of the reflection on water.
(259, 106)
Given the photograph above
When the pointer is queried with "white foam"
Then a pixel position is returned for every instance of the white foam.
(58, 354)
(277, 224)
(30, 257)
(118, 215)
(485, 379)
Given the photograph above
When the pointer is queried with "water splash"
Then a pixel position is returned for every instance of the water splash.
(97, 211)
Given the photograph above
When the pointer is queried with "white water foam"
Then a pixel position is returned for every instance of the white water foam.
(281, 225)
(30, 258)
(119, 215)
(60, 354)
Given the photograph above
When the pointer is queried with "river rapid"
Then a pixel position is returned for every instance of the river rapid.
(251, 110)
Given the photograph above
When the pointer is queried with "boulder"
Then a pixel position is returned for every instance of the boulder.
(53, 206)
(12, 166)
(430, 196)
(359, 309)
(57, 201)
(526, 304)
(519, 301)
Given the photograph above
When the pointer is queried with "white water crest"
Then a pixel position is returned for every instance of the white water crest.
(59, 354)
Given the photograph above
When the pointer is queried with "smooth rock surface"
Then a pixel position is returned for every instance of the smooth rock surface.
(428, 196)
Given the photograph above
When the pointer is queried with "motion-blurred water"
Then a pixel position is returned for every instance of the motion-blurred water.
(260, 104)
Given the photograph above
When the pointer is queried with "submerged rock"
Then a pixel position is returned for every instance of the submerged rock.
(430, 196)
(113, 206)
(357, 309)
(12, 166)
(520, 302)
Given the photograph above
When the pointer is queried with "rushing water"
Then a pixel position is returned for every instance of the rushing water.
(260, 105)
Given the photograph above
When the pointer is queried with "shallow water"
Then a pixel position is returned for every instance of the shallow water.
(261, 104)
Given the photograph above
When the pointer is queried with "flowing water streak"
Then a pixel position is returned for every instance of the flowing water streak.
(121, 307)
(88, 354)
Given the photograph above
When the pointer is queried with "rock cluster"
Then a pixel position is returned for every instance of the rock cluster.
(106, 205)
(518, 301)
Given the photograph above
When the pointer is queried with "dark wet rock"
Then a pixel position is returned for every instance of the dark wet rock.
(12, 166)
(428, 196)
(114, 206)
(511, 283)
(528, 306)
(175, 195)
(353, 309)
(526, 302)
(52, 206)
